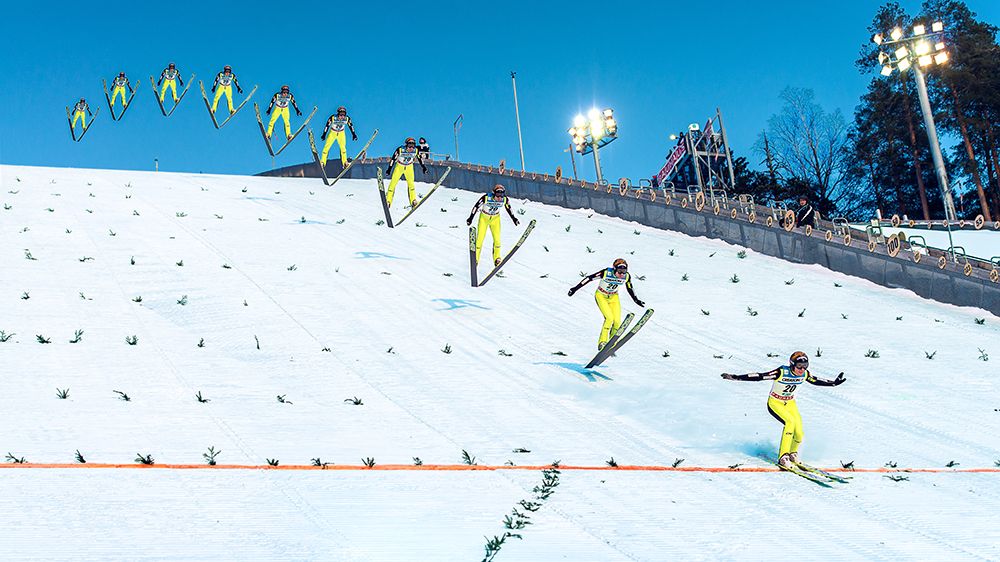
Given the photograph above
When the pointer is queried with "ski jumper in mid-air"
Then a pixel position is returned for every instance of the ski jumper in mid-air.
(402, 165)
(119, 85)
(606, 296)
(781, 400)
(80, 111)
(334, 131)
(489, 207)
(224, 82)
(170, 77)
(280, 101)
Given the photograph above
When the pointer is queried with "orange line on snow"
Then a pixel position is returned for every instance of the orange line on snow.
(463, 468)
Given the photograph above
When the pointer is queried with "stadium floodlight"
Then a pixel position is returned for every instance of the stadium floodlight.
(937, 27)
(901, 53)
(886, 70)
(592, 132)
(896, 34)
(922, 48)
(919, 29)
(939, 46)
(904, 64)
(925, 60)
(941, 57)
(877, 39)
(579, 121)
(593, 114)
(608, 112)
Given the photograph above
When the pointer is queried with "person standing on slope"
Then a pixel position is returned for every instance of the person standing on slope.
(118, 86)
(224, 82)
(80, 111)
(401, 164)
(781, 401)
(170, 77)
(281, 99)
(607, 296)
(489, 206)
(334, 132)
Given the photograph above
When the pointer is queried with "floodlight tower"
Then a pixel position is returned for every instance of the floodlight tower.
(597, 130)
(917, 51)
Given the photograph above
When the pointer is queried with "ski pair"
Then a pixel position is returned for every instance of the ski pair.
(72, 130)
(211, 113)
(180, 98)
(620, 338)
(125, 104)
(322, 168)
(810, 473)
(472, 254)
(267, 141)
(385, 200)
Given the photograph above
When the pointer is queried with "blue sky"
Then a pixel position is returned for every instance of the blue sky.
(411, 71)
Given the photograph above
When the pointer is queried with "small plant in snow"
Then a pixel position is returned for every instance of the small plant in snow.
(4, 336)
(42, 339)
(751, 311)
(546, 248)
(521, 450)
(420, 224)
(467, 458)
(379, 222)
(589, 250)
(79, 457)
(559, 353)
(677, 462)
(244, 190)
(837, 285)
(717, 356)
(770, 355)
(983, 356)
(980, 321)
(201, 342)
(318, 462)
(84, 297)
(666, 353)
(210, 456)
(734, 279)
(802, 313)
(146, 460)
(790, 281)
(77, 337)
(568, 226)
(68, 231)
(15, 460)
(931, 354)
(611, 462)
(447, 274)
(899, 318)
(132, 260)
(28, 256)
(819, 352)
(181, 214)
(7, 207)
(684, 277)
(849, 465)
(872, 354)
(712, 254)
(183, 300)
(85, 259)
(742, 254)
(952, 464)
(256, 339)
(226, 266)
(122, 396)
(302, 220)
(705, 312)
(291, 267)
(341, 221)
(217, 216)
(62, 393)
(368, 461)
(201, 398)
(890, 464)
(636, 232)
(25, 296)
(417, 461)
(137, 298)
(261, 219)
(844, 316)
(326, 349)
(132, 340)
(355, 401)
(503, 353)
(272, 462)
(896, 477)
(180, 263)
(446, 348)
(281, 398)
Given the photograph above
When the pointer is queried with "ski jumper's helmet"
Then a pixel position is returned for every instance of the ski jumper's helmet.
(620, 264)
(799, 358)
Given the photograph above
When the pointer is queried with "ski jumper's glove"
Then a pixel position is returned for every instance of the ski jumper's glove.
(323, 136)
(213, 88)
(840, 379)
(239, 90)
(640, 303)
(729, 376)
(297, 112)
(572, 291)
(268, 112)
(468, 221)
(354, 136)
(387, 170)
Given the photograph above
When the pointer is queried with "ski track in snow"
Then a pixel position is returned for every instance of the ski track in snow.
(361, 289)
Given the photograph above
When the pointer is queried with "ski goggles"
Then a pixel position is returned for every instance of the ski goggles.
(801, 364)
(500, 191)
(622, 268)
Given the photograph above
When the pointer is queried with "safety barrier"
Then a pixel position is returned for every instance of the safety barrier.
(771, 230)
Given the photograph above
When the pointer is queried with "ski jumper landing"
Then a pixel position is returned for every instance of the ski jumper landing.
(607, 296)
(489, 207)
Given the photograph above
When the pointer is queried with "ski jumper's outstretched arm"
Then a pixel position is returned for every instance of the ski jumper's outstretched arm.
(296, 106)
(768, 376)
(216, 83)
(162, 74)
(129, 84)
(631, 293)
(813, 379)
(326, 129)
(236, 83)
(273, 98)
(179, 79)
(350, 125)
(392, 160)
(475, 208)
(506, 205)
(585, 280)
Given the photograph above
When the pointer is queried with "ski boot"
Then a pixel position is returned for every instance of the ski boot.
(785, 461)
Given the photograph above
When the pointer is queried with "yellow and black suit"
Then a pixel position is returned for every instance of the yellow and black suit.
(170, 77)
(489, 207)
(335, 131)
(224, 82)
(606, 296)
(118, 87)
(402, 166)
(280, 102)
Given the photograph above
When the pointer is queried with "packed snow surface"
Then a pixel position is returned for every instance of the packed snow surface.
(256, 288)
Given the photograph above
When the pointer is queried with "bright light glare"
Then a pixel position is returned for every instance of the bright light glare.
(594, 114)
(937, 27)
(925, 60)
(886, 70)
(572, 131)
(922, 48)
(608, 112)
(919, 30)
(904, 64)
(579, 121)
(673, 137)
(902, 52)
(877, 39)
(941, 57)
(896, 34)
(597, 130)
(939, 47)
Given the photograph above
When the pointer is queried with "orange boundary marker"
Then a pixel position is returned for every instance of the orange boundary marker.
(464, 468)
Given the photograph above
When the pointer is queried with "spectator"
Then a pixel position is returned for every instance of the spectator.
(654, 182)
(424, 149)
(804, 214)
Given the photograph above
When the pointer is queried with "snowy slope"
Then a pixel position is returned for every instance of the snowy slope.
(385, 303)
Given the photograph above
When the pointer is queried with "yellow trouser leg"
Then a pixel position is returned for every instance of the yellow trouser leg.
(114, 96)
(172, 84)
(397, 172)
(332, 137)
(408, 174)
(787, 412)
(493, 224)
(219, 91)
(612, 311)
(82, 116)
(283, 113)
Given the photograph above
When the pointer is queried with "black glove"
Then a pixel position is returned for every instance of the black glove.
(298, 113)
(729, 376)
(268, 112)
(468, 221)
(640, 303)
(354, 137)
(840, 379)
(322, 137)
(239, 90)
(213, 88)
(517, 222)
(572, 291)
(387, 170)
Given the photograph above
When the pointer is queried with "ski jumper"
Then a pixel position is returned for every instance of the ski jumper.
(489, 208)
(336, 127)
(118, 87)
(402, 161)
(224, 86)
(280, 103)
(169, 77)
(80, 111)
